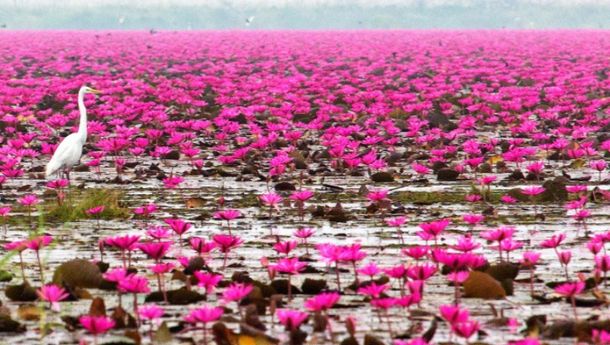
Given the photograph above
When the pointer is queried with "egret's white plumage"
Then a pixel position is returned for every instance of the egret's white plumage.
(70, 149)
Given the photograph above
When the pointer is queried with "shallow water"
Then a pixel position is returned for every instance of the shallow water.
(78, 239)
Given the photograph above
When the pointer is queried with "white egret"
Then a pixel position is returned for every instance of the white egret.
(70, 149)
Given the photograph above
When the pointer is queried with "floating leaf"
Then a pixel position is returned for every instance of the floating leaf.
(503, 270)
(78, 273)
(29, 312)
(21, 293)
(195, 203)
(8, 325)
(98, 307)
(163, 335)
(482, 285)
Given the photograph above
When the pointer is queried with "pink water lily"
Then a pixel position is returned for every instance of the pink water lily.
(204, 315)
(228, 215)
(289, 266)
(97, 325)
(52, 294)
(225, 244)
(272, 201)
(570, 290)
(291, 319)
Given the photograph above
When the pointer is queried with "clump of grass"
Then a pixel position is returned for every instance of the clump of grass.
(80, 201)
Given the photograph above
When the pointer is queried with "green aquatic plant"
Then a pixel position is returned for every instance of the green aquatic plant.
(83, 200)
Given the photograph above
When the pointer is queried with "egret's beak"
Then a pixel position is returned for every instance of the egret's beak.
(97, 92)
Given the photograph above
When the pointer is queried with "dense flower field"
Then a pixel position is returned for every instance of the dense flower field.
(382, 187)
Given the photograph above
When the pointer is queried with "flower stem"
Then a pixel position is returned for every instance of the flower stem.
(40, 267)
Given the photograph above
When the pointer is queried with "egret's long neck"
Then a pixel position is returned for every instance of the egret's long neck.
(82, 125)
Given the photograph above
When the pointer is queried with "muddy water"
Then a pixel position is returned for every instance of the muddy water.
(79, 239)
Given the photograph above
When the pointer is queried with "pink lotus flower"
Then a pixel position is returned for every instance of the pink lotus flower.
(373, 290)
(225, 244)
(536, 168)
(58, 184)
(322, 301)
(36, 244)
(158, 232)
(435, 228)
(289, 266)
(133, 284)
(227, 215)
(473, 219)
(162, 268)
(473, 198)
(236, 292)
(598, 336)
(18, 246)
(155, 250)
(487, 180)
(421, 272)
(96, 324)
(465, 244)
(533, 190)
(304, 234)
(208, 281)
(576, 189)
(178, 226)
(454, 314)
(270, 199)
(145, 210)
(370, 270)
(291, 319)
(554, 241)
(123, 243)
(599, 165)
(420, 168)
(465, 329)
(416, 252)
(115, 275)
(377, 195)
(204, 315)
(530, 259)
(52, 294)
(151, 312)
(29, 200)
(201, 246)
(4, 211)
(570, 290)
(507, 199)
(302, 195)
(172, 182)
(95, 210)
(397, 222)
(284, 247)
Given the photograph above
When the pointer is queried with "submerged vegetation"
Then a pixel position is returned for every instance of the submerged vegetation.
(80, 201)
